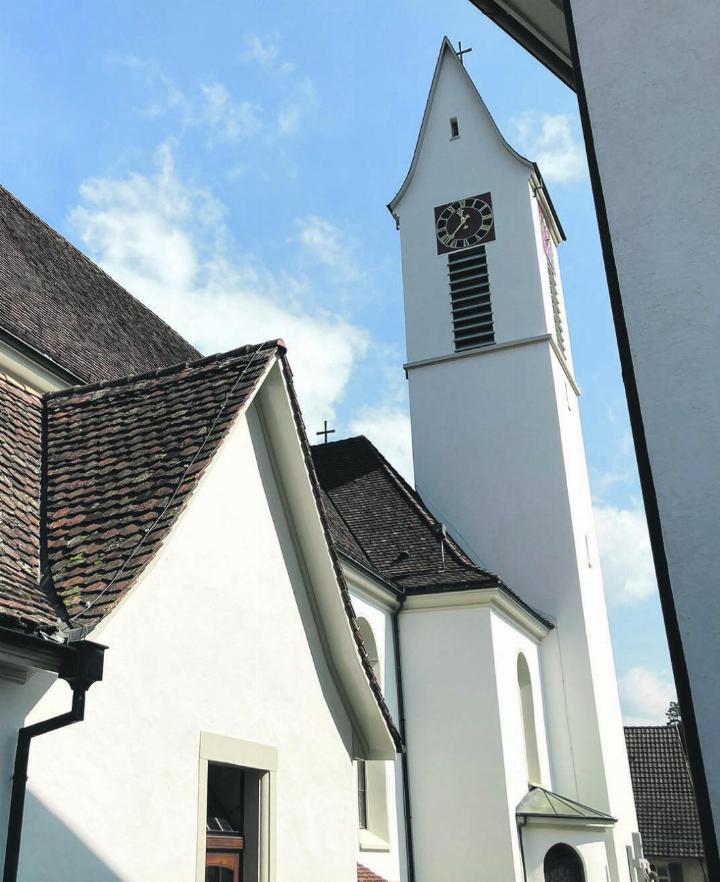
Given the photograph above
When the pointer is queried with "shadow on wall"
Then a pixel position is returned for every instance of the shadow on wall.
(69, 860)
(72, 860)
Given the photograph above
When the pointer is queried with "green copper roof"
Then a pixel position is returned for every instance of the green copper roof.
(540, 803)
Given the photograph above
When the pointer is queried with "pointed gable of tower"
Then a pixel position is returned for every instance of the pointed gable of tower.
(455, 111)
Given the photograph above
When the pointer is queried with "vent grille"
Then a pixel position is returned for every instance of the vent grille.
(470, 298)
(555, 300)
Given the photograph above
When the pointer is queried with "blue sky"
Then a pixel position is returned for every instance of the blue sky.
(230, 164)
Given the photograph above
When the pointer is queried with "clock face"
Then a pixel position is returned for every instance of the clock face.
(464, 223)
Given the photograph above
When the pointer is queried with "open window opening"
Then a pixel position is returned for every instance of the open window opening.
(233, 824)
(454, 128)
(527, 709)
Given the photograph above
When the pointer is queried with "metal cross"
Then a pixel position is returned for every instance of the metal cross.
(325, 431)
(460, 52)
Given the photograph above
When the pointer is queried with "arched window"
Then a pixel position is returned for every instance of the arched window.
(371, 775)
(370, 647)
(527, 708)
(563, 864)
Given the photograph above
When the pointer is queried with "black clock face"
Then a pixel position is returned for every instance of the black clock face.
(464, 223)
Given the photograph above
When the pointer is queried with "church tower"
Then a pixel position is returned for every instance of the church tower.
(497, 442)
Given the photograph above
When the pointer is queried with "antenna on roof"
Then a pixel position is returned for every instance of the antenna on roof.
(441, 532)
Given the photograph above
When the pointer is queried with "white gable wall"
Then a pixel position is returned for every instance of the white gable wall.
(217, 635)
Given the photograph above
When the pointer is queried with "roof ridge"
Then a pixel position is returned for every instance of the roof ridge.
(76, 252)
(119, 382)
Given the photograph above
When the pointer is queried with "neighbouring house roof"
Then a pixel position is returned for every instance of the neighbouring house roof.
(541, 803)
(56, 301)
(365, 875)
(664, 796)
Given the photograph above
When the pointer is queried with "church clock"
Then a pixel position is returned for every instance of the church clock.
(464, 223)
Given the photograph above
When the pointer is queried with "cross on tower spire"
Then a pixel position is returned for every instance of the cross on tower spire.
(460, 52)
(325, 431)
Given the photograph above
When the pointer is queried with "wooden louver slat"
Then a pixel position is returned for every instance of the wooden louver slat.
(470, 298)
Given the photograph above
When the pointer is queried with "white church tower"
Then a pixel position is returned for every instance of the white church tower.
(497, 442)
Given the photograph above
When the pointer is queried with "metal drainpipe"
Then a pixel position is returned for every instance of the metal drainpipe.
(403, 756)
(84, 669)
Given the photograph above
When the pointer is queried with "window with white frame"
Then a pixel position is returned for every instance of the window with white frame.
(237, 806)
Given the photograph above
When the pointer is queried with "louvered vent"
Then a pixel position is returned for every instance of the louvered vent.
(470, 298)
(555, 300)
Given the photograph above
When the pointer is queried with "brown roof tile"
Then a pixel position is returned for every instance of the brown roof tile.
(64, 306)
(122, 460)
(365, 875)
(21, 595)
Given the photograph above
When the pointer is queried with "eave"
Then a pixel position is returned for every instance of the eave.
(539, 26)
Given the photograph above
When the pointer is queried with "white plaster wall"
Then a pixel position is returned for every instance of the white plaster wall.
(497, 444)
(508, 643)
(391, 864)
(650, 72)
(476, 162)
(218, 635)
(462, 824)
(589, 842)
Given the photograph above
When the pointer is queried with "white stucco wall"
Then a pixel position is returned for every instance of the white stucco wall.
(218, 635)
(650, 73)
(464, 741)
(588, 842)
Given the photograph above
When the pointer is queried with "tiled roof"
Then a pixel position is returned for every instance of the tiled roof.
(365, 875)
(61, 304)
(664, 796)
(380, 522)
(111, 471)
(122, 459)
(21, 595)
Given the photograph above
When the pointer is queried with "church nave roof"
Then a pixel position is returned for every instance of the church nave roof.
(60, 304)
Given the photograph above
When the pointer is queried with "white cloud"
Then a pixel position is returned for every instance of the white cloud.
(266, 51)
(302, 101)
(645, 696)
(549, 139)
(166, 241)
(229, 120)
(625, 554)
(324, 244)
(388, 427)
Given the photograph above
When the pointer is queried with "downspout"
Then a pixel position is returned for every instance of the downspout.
(85, 667)
(521, 822)
(407, 813)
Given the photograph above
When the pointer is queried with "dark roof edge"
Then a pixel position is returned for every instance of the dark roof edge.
(335, 558)
(525, 38)
(371, 573)
(47, 363)
(119, 382)
(36, 651)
